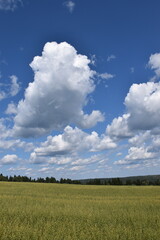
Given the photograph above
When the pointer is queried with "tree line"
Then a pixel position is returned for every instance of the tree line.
(18, 178)
(96, 181)
(118, 181)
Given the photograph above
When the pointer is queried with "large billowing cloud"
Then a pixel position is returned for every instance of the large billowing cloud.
(72, 142)
(143, 104)
(142, 107)
(140, 125)
(141, 122)
(62, 82)
(143, 111)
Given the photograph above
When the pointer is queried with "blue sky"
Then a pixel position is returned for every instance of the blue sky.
(79, 88)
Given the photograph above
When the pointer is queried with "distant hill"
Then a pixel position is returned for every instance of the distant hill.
(137, 180)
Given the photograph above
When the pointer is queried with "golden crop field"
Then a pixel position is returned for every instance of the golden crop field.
(38, 211)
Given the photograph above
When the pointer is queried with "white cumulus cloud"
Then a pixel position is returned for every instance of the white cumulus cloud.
(9, 159)
(72, 142)
(13, 144)
(136, 155)
(62, 82)
(154, 63)
(143, 111)
(11, 108)
(143, 104)
(140, 124)
(119, 127)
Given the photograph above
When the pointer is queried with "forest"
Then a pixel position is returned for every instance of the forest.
(138, 181)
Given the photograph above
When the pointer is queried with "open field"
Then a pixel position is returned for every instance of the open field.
(38, 211)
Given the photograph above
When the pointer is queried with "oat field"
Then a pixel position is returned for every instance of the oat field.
(37, 211)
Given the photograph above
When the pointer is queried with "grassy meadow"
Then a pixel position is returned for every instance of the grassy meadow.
(38, 211)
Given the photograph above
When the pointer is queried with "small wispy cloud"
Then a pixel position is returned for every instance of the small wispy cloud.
(70, 5)
(3, 95)
(9, 5)
(93, 59)
(11, 89)
(15, 87)
(132, 69)
(111, 57)
(106, 75)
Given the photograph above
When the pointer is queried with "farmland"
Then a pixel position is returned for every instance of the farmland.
(39, 211)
